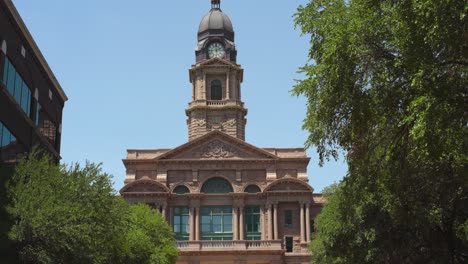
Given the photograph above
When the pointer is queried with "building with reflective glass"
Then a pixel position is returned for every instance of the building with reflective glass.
(31, 99)
(228, 201)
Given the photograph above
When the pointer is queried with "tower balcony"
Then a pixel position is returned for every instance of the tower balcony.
(216, 103)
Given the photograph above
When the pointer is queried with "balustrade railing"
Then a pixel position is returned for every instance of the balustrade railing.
(216, 103)
(229, 245)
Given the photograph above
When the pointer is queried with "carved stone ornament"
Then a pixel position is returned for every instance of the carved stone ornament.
(200, 122)
(217, 150)
(229, 123)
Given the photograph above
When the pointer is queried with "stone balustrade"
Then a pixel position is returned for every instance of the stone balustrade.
(228, 245)
(216, 103)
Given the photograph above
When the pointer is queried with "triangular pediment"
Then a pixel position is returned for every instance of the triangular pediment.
(217, 145)
(216, 62)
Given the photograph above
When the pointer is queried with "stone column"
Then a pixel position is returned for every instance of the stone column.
(204, 87)
(307, 222)
(192, 229)
(262, 223)
(228, 85)
(171, 217)
(241, 223)
(164, 211)
(197, 223)
(270, 221)
(234, 222)
(275, 220)
(302, 222)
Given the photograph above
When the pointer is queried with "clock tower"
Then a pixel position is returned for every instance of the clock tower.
(216, 79)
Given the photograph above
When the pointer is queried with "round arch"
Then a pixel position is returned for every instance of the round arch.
(252, 188)
(217, 185)
(145, 185)
(181, 189)
(288, 184)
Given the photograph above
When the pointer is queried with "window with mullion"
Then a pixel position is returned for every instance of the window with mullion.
(17, 87)
(216, 223)
(181, 223)
(252, 223)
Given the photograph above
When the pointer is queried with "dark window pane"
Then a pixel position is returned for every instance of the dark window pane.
(11, 79)
(252, 189)
(18, 86)
(288, 218)
(216, 90)
(181, 190)
(289, 244)
(25, 98)
(5, 137)
(217, 185)
(5, 72)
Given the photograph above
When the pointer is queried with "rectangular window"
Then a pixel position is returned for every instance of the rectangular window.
(10, 148)
(252, 223)
(181, 223)
(5, 72)
(6, 137)
(38, 110)
(216, 223)
(11, 77)
(17, 87)
(288, 218)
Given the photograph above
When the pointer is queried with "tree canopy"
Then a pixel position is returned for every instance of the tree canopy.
(387, 86)
(71, 215)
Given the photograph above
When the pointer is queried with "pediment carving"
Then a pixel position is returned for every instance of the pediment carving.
(288, 187)
(217, 149)
(216, 145)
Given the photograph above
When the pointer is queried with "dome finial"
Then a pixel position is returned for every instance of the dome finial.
(215, 4)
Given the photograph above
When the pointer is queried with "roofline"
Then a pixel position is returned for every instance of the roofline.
(19, 21)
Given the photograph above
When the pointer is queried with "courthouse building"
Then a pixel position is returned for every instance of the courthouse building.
(228, 201)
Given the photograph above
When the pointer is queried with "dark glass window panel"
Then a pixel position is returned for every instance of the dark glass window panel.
(289, 244)
(18, 87)
(181, 190)
(216, 90)
(216, 223)
(288, 218)
(252, 223)
(217, 185)
(5, 72)
(252, 189)
(38, 110)
(5, 137)
(11, 79)
(25, 98)
(181, 223)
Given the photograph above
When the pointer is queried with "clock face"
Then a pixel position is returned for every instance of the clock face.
(215, 50)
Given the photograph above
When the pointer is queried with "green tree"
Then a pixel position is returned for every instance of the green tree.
(65, 215)
(150, 238)
(71, 215)
(387, 86)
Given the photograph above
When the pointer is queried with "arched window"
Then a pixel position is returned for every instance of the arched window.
(216, 90)
(216, 185)
(252, 189)
(181, 190)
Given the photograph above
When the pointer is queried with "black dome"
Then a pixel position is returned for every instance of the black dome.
(215, 23)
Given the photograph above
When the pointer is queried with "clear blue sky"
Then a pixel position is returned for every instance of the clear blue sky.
(124, 66)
